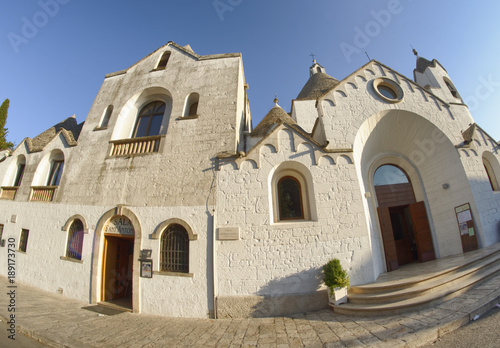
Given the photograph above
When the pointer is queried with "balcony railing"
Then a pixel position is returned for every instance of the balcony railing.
(9, 192)
(135, 146)
(42, 193)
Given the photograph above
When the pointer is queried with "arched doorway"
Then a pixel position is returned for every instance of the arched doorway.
(404, 225)
(117, 262)
(118, 232)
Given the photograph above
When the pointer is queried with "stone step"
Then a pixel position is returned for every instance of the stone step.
(436, 284)
(404, 291)
(412, 281)
(419, 302)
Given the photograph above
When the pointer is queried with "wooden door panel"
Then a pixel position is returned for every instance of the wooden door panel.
(391, 256)
(422, 231)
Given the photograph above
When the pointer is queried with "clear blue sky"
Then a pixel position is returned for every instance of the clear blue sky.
(53, 59)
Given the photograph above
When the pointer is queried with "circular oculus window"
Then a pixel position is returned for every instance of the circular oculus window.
(388, 90)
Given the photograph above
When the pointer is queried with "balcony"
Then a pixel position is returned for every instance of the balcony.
(9, 192)
(42, 193)
(135, 146)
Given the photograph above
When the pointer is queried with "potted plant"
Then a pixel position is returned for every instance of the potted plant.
(336, 281)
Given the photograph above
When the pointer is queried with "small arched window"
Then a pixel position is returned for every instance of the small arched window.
(491, 173)
(162, 64)
(174, 249)
(106, 116)
(191, 107)
(290, 199)
(75, 240)
(150, 119)
(452, 88)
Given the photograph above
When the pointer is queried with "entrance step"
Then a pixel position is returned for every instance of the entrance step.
(420, 285)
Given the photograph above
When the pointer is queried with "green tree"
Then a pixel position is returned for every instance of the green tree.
(4, 144)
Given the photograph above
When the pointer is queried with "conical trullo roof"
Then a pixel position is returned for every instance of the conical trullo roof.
(317, 85)
(275, 116)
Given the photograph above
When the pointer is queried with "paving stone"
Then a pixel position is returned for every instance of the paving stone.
(63, 322)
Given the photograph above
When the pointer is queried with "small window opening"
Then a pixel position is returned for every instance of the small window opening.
(23, 241)
(163, 61)
(19, 175)
(191, 108)
(452, 89)
(106, 117)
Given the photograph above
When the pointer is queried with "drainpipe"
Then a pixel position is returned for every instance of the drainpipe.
(214, 265)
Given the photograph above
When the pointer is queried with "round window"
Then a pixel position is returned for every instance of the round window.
(388, 90)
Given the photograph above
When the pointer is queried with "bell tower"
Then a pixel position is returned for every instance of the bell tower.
(433, 77)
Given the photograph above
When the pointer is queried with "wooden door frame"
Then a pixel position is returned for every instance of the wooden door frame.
(104, 275)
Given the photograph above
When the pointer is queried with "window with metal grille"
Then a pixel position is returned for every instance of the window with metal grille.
(174, 249)
(1, 232)
(23, 241)
(75, 240)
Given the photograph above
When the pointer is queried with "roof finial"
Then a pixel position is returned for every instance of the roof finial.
(276, 98)
(414, 51)
(313, 55)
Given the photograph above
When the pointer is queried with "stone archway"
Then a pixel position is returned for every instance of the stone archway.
(429, 157)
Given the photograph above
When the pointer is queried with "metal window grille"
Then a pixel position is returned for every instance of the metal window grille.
(75, 240)
(23, 241)
(175, 249)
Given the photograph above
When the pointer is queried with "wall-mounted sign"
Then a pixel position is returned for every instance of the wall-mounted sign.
(147, 268)
(120, 225)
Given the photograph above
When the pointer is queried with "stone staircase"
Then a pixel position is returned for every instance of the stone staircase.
(421, 285)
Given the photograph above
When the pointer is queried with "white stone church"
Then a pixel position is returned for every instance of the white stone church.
(167, 201)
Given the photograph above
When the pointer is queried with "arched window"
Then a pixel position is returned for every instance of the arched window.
(162, 64)
(174, 249)
(191, 107)
(56, 169)
(491, 173)
(290, 199)
(106, 116)
(149, 119)
(20, 173)
(75, 240)
(292, 193)
(452, 88)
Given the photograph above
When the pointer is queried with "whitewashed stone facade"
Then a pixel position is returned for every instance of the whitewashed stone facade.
(206, 172)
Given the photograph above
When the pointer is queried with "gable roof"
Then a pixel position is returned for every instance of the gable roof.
(274, 117)
(69, 128)
(186, 49)
(470, 133)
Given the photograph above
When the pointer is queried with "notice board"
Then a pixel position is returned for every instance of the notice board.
(466, 227)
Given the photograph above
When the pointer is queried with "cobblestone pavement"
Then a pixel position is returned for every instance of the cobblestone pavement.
(62, 322)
